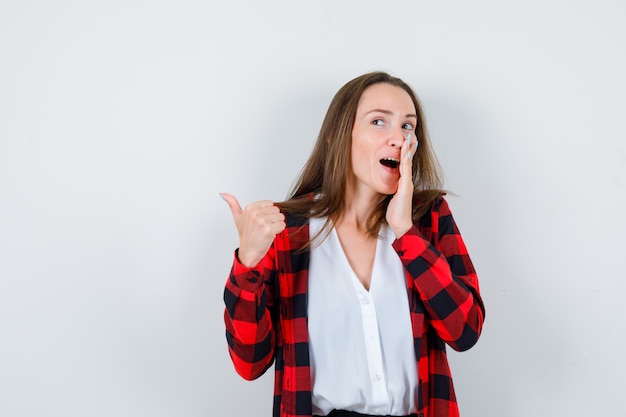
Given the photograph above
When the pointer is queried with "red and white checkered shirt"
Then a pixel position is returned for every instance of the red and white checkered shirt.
(266, 312)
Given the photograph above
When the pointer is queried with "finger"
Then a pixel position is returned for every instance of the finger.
(276, 218)
(269, 217)
(233, 204)
(261, 206)
(277, 227)
(405, 157)
(264, 210)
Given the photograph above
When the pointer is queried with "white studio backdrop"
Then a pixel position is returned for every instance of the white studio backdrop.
(121, 121)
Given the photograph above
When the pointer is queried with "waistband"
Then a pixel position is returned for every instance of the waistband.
(344, 413)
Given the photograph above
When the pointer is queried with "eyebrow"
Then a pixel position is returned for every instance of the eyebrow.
(389, 112)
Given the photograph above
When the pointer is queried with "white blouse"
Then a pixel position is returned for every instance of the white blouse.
(361, 343)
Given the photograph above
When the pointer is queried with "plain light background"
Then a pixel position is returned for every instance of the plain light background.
(121, 121)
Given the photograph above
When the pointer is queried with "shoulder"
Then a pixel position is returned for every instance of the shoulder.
(441, 205)
(297, 209)
(295, 220)
(293, 240)
(427, 202)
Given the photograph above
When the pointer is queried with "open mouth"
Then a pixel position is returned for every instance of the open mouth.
(390, 162)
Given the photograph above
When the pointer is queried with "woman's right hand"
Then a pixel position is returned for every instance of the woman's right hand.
(257, 226)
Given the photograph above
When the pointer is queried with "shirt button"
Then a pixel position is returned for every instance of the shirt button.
(376, 377)
(365, 301)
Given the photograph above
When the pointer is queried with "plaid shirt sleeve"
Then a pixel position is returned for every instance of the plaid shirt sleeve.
(444, 277)
(248, 296)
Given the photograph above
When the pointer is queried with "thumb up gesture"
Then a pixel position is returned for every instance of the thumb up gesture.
(257, 226)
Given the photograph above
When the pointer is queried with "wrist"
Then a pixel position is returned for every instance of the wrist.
(246, 259)
(401, 231)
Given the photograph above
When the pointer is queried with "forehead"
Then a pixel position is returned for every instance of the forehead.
(385, 96)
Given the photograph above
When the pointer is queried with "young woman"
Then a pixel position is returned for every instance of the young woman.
(355, 284)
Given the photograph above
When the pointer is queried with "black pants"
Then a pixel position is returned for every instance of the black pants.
(343, 413)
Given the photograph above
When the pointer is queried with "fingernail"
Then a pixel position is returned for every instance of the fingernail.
(222, 197)
(408, 155)
(408, 138)
(416, 143)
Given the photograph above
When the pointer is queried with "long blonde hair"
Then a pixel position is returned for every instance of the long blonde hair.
(325, 174)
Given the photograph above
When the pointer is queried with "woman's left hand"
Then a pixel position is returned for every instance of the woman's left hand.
(399, 211)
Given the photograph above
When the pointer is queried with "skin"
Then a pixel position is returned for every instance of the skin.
(385, 118)
(384, 121)
(257, 226)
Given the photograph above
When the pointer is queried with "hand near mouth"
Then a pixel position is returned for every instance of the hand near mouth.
(399, 211)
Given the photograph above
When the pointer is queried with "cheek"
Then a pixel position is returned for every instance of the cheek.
(360, 156)
(361, 147)
(357, 151)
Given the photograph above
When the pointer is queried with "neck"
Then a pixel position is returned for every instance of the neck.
(357, 209)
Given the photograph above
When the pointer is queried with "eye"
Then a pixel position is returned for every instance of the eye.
(408, 126)
(378, 122)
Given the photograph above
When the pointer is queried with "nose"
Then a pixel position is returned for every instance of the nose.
(396, 138)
